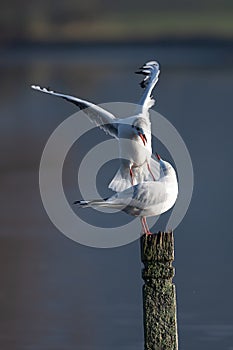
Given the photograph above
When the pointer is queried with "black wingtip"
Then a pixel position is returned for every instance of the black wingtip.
(144, 82)
(147, 69)
(140, 72)
(76, 202)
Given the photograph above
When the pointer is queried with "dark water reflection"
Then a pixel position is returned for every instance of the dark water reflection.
(57, 294)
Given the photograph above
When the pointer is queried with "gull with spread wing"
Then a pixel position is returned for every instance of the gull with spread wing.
(150, 198)
(136, 164)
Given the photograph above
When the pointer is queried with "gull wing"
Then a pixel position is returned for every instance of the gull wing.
(102, 118)
(140, 196)
(151, 72)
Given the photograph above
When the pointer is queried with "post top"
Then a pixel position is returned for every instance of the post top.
(157, 247)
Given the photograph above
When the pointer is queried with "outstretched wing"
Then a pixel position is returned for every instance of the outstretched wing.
(151, 71)
(102, 118)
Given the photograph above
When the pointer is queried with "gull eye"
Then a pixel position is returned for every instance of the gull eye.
(137, 128)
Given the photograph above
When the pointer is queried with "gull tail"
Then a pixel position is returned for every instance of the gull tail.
(92, 203)
(121, 180)
(109, 203)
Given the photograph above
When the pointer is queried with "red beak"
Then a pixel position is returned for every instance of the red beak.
(143, 138)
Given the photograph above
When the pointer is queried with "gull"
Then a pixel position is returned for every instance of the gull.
(150, 198)
(136, 164)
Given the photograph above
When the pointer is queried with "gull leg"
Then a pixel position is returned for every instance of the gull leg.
(148, 166)
(131, 174)
(145, 226)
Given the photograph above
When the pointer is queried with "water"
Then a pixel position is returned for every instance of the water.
(57, 294)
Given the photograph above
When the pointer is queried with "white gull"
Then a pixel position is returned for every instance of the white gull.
(150, 198)
(136, 164)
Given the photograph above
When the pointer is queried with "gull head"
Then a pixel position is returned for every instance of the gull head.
(139, 130)
(166, 168)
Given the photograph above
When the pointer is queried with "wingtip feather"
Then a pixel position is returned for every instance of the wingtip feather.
(42, 89)
(35, 87)
(149, 69)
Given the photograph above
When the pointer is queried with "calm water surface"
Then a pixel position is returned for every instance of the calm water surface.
(57, 294)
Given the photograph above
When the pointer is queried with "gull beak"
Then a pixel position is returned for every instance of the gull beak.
(143, 138)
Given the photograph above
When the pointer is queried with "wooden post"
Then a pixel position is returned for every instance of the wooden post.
(159, 295)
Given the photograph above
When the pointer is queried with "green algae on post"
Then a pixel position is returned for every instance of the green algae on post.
(159, 295)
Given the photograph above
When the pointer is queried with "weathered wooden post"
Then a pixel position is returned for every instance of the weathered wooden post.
(159, 296)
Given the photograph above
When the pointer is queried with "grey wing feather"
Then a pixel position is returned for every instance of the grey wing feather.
(102, 118)
(141, 195)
